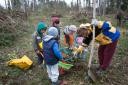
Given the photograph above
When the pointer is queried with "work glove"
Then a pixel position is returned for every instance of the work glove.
(85, 50)
(84, 45)
(75, 53)
(78, 50)
(94, 22)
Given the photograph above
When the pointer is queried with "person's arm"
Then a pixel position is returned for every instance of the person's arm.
(57, 51)
(106, 25)
(34, 36)
(34, 41)
(67, 39)
(87, 40)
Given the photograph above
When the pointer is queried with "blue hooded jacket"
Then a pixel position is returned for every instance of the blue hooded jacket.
(51, 50)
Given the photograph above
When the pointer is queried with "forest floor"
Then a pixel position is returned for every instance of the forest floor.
(117, 74)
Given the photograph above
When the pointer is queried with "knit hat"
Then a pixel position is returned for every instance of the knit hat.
(52, 31)
(55, 20)
(69, 29)
(41, 26)
(66, 30)
(86, 26)
(72, 28)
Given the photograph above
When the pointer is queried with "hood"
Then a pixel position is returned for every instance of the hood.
(47, 38)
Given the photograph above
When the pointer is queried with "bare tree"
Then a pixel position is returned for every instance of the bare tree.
(77, 4)
(6, 5)
(84, 5)
(9, 5)
(16, 4)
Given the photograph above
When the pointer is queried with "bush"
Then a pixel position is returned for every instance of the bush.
(10, 28)
(126, 25)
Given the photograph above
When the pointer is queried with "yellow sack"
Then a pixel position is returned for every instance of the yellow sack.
(23, 63)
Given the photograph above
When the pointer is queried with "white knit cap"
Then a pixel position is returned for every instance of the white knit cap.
(73, 28)
(53, 31)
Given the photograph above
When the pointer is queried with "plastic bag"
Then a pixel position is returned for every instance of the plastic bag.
(23, 63)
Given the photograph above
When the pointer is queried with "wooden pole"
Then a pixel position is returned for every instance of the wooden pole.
(93, 40)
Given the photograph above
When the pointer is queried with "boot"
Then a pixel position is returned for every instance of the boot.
(59, 82)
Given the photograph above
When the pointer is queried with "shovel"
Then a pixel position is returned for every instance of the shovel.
(90, 73)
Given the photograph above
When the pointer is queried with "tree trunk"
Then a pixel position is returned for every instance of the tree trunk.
(26, 9)
(84, 5)
(78, 5)
(6, 6)
(9, 5)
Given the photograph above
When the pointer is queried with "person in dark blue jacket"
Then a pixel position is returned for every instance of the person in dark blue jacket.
(52, 54)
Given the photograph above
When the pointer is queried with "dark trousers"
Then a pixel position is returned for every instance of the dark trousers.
(40, 58)
(105, 53)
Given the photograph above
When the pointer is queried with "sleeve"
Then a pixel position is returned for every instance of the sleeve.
(34, 41)
(88, 39)
(67, 38)
(106, 25)
(57, 51)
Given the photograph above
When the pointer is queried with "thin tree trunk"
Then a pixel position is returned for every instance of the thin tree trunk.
(6, 4)
(25, 9)
(104, 7)
(9, 5)
(78, 5)
(33, 5)
(84, 3)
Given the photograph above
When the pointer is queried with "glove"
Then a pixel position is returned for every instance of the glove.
(75, 53)
(85, 50)
(78, 50)
(84, 45)
(94, 22)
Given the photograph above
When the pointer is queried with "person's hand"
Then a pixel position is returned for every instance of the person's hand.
(85, 50)
(71, 47)
(62, 60)
(84, 45)
(37, 51)
(94, 22)
(75, 53)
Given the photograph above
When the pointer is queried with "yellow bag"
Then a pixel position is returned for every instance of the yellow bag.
(23, 63)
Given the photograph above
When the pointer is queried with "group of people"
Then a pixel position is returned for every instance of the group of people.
(105, 34)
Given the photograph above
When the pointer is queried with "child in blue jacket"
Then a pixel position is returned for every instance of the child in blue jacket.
(52, 55)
